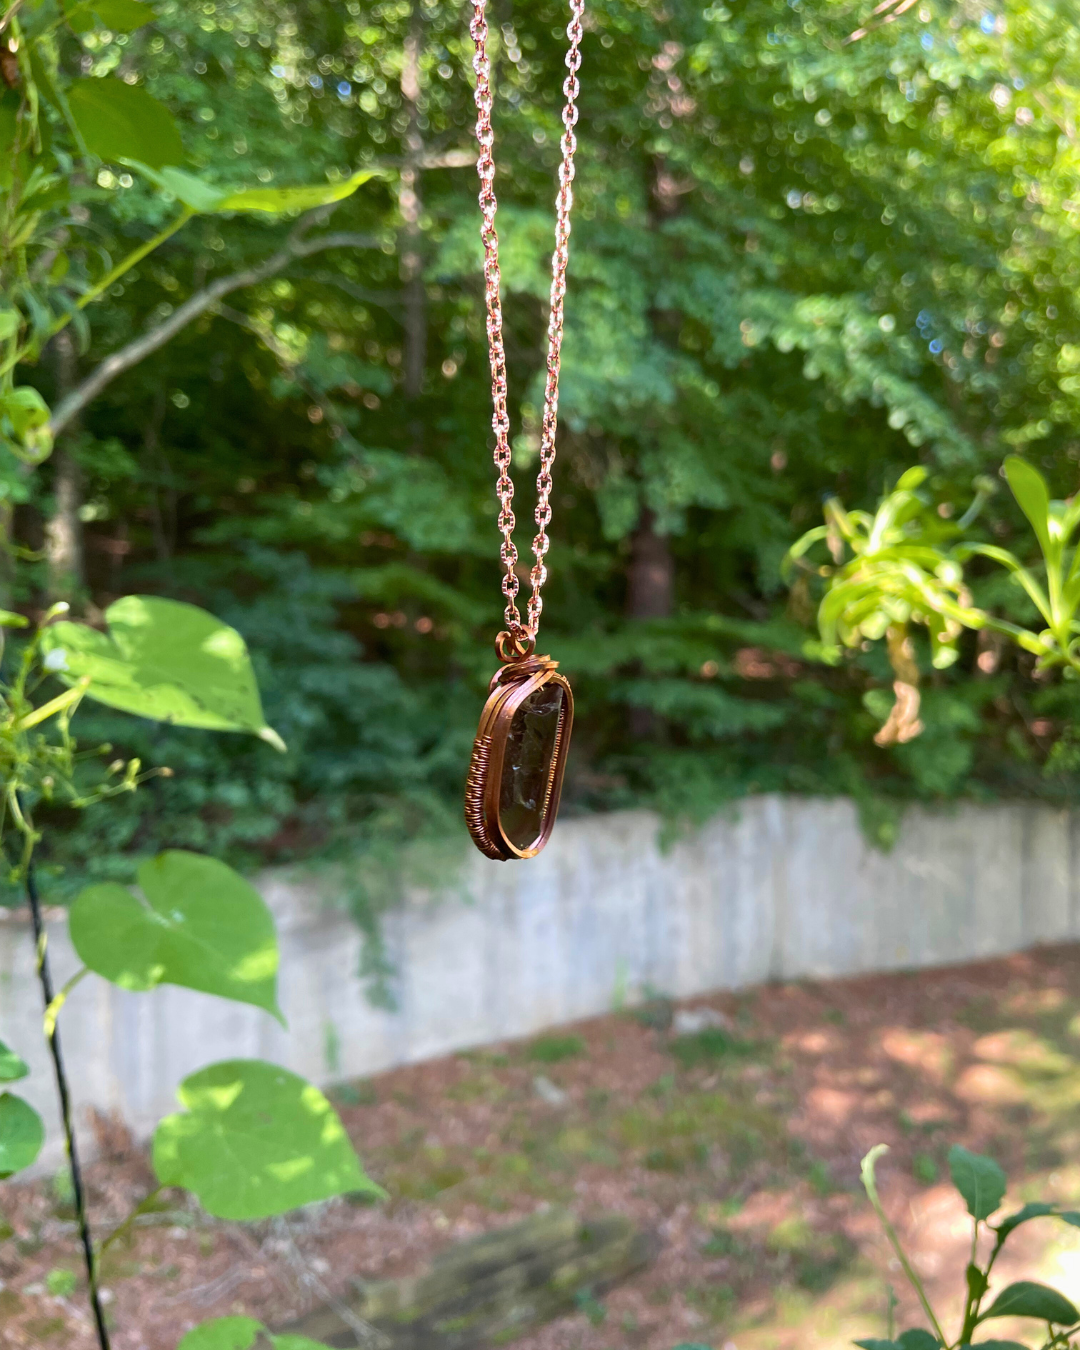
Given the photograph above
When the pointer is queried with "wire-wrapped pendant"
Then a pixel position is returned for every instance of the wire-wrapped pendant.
(519, 755)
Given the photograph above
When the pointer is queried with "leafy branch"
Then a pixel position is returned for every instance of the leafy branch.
(296, 246)
(906, 569)
(981, 1183)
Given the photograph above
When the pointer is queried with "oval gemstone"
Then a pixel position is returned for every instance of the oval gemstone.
(529, 764)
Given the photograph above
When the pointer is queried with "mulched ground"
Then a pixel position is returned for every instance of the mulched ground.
(734, 1133)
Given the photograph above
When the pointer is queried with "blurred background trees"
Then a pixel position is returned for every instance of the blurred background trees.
(800, 264)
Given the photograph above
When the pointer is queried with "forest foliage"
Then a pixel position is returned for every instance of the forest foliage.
(800, 264)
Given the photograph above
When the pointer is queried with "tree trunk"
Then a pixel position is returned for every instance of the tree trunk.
(157, 465)
(410, 206)
(651, 579)
(650, 594)
(63, 531)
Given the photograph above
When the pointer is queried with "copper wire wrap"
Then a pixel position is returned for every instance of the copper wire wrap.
(474, 800)
(500, 421)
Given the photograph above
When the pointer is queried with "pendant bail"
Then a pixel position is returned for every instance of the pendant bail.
(514, 646)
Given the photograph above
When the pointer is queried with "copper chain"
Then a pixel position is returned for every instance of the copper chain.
(485, 167)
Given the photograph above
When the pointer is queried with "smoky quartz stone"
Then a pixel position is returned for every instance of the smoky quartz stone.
(529, 765)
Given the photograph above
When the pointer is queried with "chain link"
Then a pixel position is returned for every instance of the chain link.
(500, 422)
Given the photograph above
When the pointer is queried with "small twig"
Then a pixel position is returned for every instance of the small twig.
(296, 246)
(901, 8)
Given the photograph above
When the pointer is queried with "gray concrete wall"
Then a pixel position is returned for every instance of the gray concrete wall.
(779, 889)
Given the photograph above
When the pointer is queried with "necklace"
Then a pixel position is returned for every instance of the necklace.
(519, 755)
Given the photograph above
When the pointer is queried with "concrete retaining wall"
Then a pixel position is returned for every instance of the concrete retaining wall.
(782, 888)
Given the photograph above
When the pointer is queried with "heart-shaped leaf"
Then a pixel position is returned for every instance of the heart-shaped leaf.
(12, 1067)
(202, 926)
(120, 121)
(21, 1134)
(978, 1179)
(1028, 1299)
(256, 1140)
(164, 660)
(240, 1333)
(206, 198)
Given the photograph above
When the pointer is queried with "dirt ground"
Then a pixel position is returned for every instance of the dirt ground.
(738, 1145)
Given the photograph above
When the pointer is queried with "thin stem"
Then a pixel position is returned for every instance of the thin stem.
(52, 1012)
(122, 1228)
(88, 297)
(56, 705)
(994, 1254)
(870, 1183)
(974, 1296)
(135, 256)
(53, 1038)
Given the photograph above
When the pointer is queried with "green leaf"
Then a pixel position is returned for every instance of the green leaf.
(878, 1345)
(185, 187)
(223, 1333)
(979, 1180)
(918, 1338)
(12, 1067)
(9, 324)
(26, 409)
(296, 198)
(1028, 1299)
(122, 16)
(21, 1134)
(1031, 493)
(256, 1140)
(1036, 1210)
(121, 121)
(202, 926)
(240, 1333)
(167, 661)
(9, 619)
(24, 418)
(206, 198)
(908, 482)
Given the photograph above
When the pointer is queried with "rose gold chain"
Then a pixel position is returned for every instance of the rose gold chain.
(485, 167)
